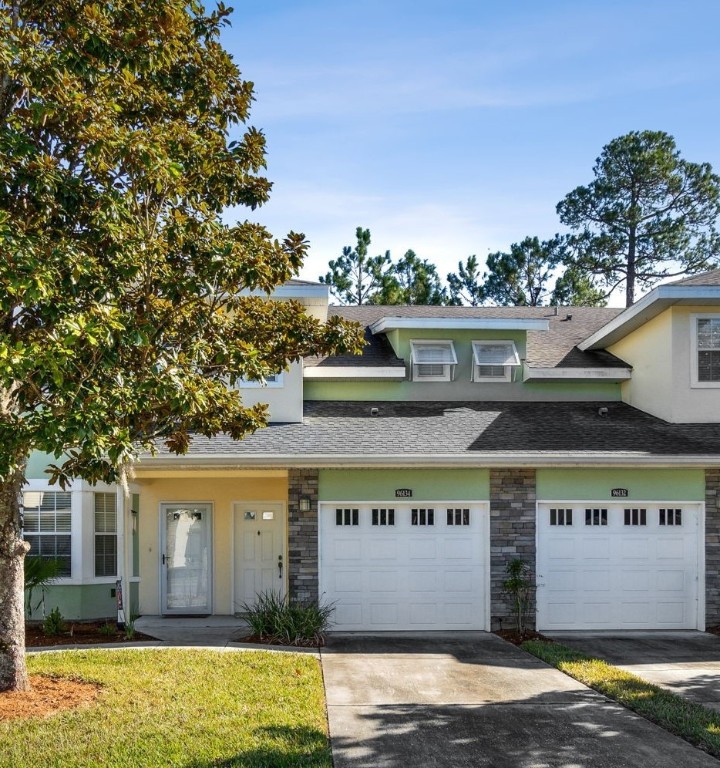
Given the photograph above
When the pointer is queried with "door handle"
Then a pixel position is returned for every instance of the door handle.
(280, 564)
(164, 558)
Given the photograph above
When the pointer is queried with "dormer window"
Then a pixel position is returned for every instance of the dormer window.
(494, 360)
(433, 360)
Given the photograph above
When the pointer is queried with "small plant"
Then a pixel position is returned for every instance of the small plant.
(519, 586)
(40, 572)
(107, 628)
(130, 627)
(275, 619)
(53, 623)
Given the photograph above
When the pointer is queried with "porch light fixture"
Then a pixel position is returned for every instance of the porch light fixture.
(304, 503)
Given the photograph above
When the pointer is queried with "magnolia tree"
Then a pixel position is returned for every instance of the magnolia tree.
(123, 309)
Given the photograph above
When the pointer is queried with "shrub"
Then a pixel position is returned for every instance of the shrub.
(53, 623)
(519, 586)
(275, 619)
(40, 572)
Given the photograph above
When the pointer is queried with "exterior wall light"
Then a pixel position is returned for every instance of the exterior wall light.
(304, 503)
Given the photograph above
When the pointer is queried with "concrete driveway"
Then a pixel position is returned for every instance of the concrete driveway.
(687, 663)
(470, 699)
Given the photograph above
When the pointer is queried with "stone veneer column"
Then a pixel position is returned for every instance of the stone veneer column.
(512, 535)
(302, 536)
(712, 547)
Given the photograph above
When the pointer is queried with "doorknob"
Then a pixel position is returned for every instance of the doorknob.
(280, 566)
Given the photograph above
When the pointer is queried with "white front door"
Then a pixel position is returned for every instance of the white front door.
(260, 558)
(186, 558)
(608, 566)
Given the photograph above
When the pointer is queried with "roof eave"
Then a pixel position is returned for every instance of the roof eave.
(393, 373)
(648, 307)
(385, 324)
(476, 460)
(575, 374)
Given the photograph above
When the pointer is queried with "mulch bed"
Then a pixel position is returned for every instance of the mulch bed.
(47, 696)
(516, 638)
(80, 633)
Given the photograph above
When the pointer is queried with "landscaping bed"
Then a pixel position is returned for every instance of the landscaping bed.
(80, 633)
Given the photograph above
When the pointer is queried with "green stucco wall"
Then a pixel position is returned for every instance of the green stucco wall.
(86, 601)
(641, 484)
(426, 485)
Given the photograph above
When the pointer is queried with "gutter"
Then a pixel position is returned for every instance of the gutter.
(446, 460)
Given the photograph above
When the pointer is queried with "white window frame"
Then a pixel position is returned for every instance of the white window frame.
(695, 350)
(448, 366)
(274, 381)
(72, 533)
(97, 533)
(507, 367)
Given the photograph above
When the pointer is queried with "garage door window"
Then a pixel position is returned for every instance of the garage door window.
(458, 517)
(596, 517)
(383, 517)
(635, 517)
(346, 517)
(561, 517)
(670, 517)
(422, 517)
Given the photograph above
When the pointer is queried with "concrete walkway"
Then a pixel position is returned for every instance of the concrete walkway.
(470, 699)
(687, 663)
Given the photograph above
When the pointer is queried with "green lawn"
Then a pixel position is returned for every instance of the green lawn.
(178, 708)
(693, 722)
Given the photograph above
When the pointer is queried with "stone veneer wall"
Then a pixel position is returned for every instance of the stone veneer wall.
(302, 536)
(512, 535)
(712, 547)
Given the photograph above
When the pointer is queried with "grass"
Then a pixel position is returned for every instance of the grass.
(691, 721)
(178, 708)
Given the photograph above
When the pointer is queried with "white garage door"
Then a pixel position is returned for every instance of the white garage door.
(418, 566)
(618, 566)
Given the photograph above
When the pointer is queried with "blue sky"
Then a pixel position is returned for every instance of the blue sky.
(456, 127)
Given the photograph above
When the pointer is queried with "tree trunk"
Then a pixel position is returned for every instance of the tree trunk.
(13, 672)
(630, 283)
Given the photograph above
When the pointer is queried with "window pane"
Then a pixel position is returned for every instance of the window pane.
(503, 353)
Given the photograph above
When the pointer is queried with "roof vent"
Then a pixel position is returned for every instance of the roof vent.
(555, 310)
(568, 317)
(376, 411)
(602, 411)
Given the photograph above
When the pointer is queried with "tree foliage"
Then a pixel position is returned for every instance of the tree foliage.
(411, 280)
(354, 277)
(648, 214)
(521, 276)
(466, 285)
(124, 313)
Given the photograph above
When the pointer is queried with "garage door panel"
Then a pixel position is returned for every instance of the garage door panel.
(423, 573)
(422, 549)
(649, 572)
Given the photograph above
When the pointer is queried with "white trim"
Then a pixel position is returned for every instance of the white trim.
(351, 372)
(694, 350)
(608, 374)
(476, 459)
(385, 324)
(650, 305)
(285, 291)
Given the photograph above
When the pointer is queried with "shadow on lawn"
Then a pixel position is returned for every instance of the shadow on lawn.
(297, 748)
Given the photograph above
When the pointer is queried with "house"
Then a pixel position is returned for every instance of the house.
(398, 484)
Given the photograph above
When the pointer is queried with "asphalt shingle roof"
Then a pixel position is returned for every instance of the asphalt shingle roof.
(704, 278)
(553, 348)
(502, 429)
